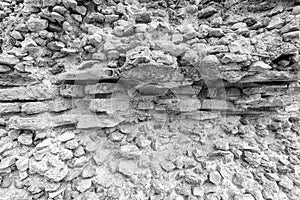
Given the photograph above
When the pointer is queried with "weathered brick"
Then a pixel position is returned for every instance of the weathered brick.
(59, 106)
(109, 105)
(9, 108)
(28, 93)
(71, 91)
(34, 107)
(103, 88)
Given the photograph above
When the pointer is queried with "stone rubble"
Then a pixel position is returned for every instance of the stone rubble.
(158, 100)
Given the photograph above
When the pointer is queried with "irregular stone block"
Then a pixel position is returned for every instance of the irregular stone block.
(234, 58)
(276, 22)
(259, 66)
(36, 24)
(130, 168)
(171, 48)
(295, 35)
(207, 12)
(4, 69)
(7, 59)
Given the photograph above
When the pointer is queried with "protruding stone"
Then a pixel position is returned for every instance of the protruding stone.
(25, 139)
(207, 12)
(296, 10)
(109, 106)
(215, 177)
(66, 136)
(38, 123)
(130, 151)
(259, 66)
(7, 162)
(7, 59)
(234, 58)
(295, 35)
(70, 3)
(88, 171)
(276, 22)
(82, 185)
(57, 174)
(94, 121)
(36, 24)
(143, 18)
(34, 107)
(130, 168)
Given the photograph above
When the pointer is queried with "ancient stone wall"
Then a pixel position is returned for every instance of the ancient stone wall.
(149, 100)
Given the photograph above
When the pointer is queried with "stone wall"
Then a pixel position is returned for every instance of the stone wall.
(149, 100)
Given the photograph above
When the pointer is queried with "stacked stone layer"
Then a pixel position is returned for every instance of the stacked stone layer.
(158, 100)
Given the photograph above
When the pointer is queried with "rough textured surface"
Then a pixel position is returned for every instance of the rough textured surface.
(149, 100)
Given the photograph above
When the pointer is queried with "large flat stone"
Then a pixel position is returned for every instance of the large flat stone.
(103, 88)
(214, 104)
(151, 73)
(28, 93)
(88, 75)
(95, 121)
(271, 76)
(40, 123)
(111, 105)
(201, 115)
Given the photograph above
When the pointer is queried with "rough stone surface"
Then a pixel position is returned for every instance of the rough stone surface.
(149, 100)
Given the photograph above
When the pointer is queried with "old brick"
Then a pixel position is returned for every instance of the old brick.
(34, 107)
(71, 91)
(60, 105)
(9, 108)
(103, 88)
(109, 105)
